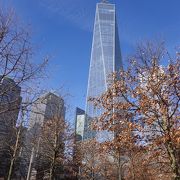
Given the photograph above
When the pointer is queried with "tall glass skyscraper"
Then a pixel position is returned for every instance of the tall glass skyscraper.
(105, 58)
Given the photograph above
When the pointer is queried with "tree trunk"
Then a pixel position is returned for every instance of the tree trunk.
(174, 162)
(170, 149)
(51, 173)
(10, 168)
(119, 167)
(14, 155)
(30, 164)
(51, 176)
(54, 157)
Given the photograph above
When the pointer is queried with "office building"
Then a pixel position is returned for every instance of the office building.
(46, 107)
(79, 124)
(105, 59)
(10, 101)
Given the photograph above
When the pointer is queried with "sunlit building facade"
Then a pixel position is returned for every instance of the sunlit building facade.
(105, 59)
(79, 124)
(45, 108)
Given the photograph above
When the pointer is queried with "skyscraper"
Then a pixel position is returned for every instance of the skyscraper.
(79, 124)
(45, 108)
(105, 58)
(48, 107)
(10, 101)
(79, 130)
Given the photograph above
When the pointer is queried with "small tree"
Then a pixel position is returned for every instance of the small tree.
(55, 136)
(89, 156)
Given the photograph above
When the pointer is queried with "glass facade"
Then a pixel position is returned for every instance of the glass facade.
(46, 107)
(10, 101)
(79, 124)
(105, 59)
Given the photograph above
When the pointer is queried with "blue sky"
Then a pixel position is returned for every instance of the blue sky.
(62, 29)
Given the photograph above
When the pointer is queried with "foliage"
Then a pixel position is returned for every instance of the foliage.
(141, 107)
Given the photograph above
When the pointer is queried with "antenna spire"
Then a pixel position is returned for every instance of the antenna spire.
(104, 1)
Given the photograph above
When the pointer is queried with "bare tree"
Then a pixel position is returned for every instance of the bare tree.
(95, 161)
(17, 72)
(55, 136)
(50, 138)
(89, 159)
